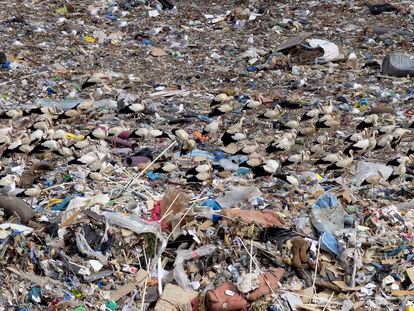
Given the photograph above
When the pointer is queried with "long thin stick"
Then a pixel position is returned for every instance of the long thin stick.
(262, 274)
(251, 262)
(145, 257)
(148, 192)
(126, 171)
(257, 266)
(147, 167)
(316, 265)
(59, 185)
(185, 214)
(70, 218)
(166, 215)
(200, 199)
(24, 77)
(144, 293)
(168, 209)
(354, 269)
(327, 303)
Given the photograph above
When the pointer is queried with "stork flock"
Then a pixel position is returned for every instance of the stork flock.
(270, 139)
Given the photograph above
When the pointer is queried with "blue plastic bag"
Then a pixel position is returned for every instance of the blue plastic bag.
(327, 214)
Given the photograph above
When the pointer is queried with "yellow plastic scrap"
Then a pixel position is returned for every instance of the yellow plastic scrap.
(62, 10)
(53, 201)
(89, 39)
(319, 177)
(360, 107)
(73, 136)
(280, 215)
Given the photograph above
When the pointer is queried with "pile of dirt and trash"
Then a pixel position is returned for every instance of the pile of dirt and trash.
(193, 155)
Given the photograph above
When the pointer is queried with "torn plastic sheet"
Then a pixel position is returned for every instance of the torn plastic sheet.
(182, 255)
(330, 49)
(84, 248)
(237, 195)
(368, 169)
(6, 228)
(79, 203)
(327, 214)
(139, 226)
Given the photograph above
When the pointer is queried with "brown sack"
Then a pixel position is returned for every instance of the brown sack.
(221, 299)
(273, 278)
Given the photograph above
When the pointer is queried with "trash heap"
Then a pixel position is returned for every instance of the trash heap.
(235, 155)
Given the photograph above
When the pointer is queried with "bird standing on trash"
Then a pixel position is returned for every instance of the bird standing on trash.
(342, 163)
(199, 173)
(369, 121)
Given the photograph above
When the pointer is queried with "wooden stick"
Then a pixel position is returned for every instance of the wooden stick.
(56, 186)
(24, 77)
(261, 273)
(251, 262)
(70, 219)
(327, 285)
(145, 292)
(354, 269)
(200, 199)
(145, 257)
(126, 171)
(316, 266)
(327, 303)
(185, 214)
(148, 192)
(139, 263)
(166, 215)
(147, 167)
(168, 209)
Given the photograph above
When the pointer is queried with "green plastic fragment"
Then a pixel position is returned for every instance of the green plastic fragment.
(111, 305)
(111, 203)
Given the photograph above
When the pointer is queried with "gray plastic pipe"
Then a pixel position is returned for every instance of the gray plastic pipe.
(134, 161)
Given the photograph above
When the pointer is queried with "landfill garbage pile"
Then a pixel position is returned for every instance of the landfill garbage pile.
(191, 155)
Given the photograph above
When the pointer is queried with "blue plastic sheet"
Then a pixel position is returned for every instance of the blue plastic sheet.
(327, 217)
(327, 214)
(201, 153)
(62, 205)
(242, 171)
(214, 206)
(396, 251)
(35, 295)
(153, 176)
(6, 65)
(327, 200)
(330, 243)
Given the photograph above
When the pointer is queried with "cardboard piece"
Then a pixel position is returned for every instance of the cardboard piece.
(175, 298)
(129, 287)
